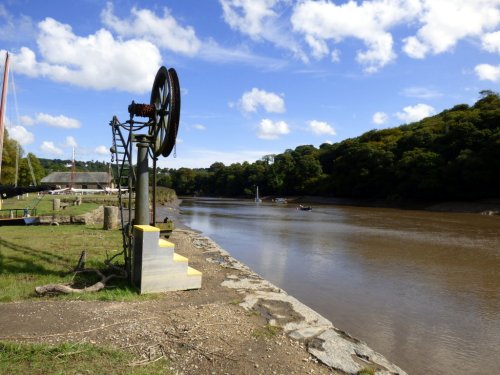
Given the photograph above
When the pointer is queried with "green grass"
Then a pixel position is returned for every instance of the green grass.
(44, 206)
(266, 332)
(68, 358)
(37, 255)
(366, 371)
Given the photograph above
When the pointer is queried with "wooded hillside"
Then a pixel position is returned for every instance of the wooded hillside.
(452, 155)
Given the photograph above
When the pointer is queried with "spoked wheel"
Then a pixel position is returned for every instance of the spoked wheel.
(165, 96)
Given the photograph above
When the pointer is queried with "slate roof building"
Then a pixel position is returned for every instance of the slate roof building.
(79, 180)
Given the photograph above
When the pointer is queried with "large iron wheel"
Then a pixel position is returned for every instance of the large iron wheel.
(165, 96)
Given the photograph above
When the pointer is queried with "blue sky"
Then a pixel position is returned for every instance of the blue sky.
(257, 76)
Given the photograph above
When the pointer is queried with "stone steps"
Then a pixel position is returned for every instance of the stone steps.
(156, 267)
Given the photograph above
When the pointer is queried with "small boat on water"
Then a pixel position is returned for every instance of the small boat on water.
(304, 208)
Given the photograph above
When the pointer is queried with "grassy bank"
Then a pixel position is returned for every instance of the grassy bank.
(67, 358)
(38, 255)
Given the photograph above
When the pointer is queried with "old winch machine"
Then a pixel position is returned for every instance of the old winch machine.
(150, 261)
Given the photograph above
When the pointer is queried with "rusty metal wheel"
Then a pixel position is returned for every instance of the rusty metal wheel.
(163, 100)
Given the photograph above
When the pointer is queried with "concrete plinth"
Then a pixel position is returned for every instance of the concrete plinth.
(155, 265)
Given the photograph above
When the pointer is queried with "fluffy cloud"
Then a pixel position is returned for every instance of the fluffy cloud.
(321, 128)
(50, 148)
(272, 130)
(260, 20)
(199, 127)
(97, 61)
(271, 102)
(491, 42)
(21, 135)
(380, 118)
(440, 25)
(102, 150)
(369, 21)
(248, 16)
(487, 72)
(57, 121)
(445, 22)
(162, 31)
(415, 113)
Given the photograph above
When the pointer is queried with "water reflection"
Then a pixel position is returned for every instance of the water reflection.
(422, 288)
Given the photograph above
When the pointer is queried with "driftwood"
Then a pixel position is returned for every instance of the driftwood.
(68, 289)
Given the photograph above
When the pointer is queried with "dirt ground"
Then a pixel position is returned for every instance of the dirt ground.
(202, 331)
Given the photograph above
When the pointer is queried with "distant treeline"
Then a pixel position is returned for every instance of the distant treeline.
(452, 155)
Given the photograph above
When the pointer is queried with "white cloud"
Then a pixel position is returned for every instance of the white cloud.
(272, 130)
(421, 93)
(380, 118)
(50, 148)
(260, 20)
(21, 135)
(96, 61)
(70, 142)
(321, 128)
(199, 127)
(415, 113)
(248, 16)
(271, 102)
(102, 150)
(445, 22)
(491, 42)
(319, 47)
(163, 31)
(368, 21)
(57, 121)
(487, 72)
(27, 120)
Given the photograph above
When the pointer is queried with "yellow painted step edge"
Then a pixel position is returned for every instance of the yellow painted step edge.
(193, 272)
(180, 258)
(165, 243)
(146, 228)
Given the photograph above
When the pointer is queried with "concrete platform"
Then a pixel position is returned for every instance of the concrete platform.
(156, 267)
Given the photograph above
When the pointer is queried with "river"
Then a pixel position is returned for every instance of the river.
(422, 288)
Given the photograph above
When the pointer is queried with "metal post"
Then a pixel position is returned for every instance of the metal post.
(142, 186)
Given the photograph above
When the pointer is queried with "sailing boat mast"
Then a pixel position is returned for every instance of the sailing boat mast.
(2, 106)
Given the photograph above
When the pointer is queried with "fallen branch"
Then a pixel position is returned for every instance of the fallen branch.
(65, 289)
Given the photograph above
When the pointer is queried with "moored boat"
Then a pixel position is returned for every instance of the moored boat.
(304, 208)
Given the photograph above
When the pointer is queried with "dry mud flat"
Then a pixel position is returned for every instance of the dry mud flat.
(226, 327)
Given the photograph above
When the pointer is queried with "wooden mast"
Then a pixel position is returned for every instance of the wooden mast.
(2, 108)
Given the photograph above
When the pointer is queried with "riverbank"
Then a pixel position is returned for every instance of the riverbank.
(237, 323)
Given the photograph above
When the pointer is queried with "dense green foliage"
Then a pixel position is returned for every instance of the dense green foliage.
(452, 155)
(12, 151)
(58, 165)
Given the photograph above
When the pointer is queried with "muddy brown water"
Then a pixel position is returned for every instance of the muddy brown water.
(422, 288)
